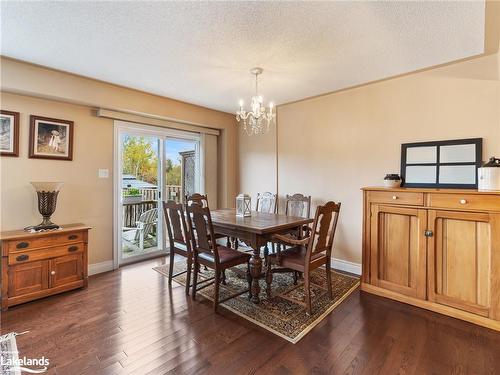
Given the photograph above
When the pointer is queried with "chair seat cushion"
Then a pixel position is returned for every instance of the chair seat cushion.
(295, 256)
(226, 255)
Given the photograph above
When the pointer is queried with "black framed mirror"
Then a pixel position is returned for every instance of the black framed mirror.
(441, 164)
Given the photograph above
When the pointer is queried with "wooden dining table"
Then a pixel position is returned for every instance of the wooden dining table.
(256, 231)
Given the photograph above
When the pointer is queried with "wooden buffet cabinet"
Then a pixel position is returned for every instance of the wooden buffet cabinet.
(438, 249)
(36, 265)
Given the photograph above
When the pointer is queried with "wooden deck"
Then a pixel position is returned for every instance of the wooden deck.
(130, 322)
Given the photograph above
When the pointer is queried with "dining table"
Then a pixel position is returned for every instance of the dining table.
(256, 231)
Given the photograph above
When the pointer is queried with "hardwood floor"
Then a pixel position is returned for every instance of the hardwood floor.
(130, 322)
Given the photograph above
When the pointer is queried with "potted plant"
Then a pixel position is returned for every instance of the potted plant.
(392, 180)
(132, 195)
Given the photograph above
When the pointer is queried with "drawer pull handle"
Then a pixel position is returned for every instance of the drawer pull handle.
(72, 248)
(53, 273)
(463, 201)
(23, 257)
(394, 197)
(72, 237)
(22, 245)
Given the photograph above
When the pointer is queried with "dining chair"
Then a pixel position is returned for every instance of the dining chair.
(298, 205)
(179, 239)
(203, 201)
(266, 202)
(309, 253)
(210, 254)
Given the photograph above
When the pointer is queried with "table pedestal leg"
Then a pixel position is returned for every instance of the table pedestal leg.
(255, 272)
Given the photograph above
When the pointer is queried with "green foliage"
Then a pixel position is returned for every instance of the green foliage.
(173, 174)
(133, 192)
(140, 159)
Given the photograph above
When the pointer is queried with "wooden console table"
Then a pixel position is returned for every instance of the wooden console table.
(434, 248)
(37, 265)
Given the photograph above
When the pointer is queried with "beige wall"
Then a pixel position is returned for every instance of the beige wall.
(84, 197)
(31, 89)
(331, 146)
(257, 163)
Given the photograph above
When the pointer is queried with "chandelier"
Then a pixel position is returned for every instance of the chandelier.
(259, 118)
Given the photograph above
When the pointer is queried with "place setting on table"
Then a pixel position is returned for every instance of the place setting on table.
(232, 255)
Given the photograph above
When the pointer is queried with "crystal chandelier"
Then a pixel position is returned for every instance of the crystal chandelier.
(259, 118)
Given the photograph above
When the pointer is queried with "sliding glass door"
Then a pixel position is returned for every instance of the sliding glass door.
(153, 164)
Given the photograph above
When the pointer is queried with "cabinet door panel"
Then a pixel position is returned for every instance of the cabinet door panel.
(66, 269)
(28, 278)
(461, 261)
(399, 249)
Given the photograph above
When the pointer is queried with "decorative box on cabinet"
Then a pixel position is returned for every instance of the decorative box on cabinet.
(438, 249)
(36, 265)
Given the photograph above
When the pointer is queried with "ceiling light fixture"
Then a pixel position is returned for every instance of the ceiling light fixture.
(259, 118)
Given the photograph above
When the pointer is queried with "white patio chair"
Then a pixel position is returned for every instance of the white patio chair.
(145, 225)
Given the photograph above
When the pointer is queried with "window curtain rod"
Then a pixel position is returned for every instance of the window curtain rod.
(149, 119)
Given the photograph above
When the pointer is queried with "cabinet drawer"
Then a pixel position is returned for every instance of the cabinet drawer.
(399, 197)
(53, 252)
(482, 202)
(52, 240)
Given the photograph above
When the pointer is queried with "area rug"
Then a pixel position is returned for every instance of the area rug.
(282, 314)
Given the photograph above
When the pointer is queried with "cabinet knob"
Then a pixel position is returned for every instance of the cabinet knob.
(52, 272)
(463, 201)
(394, 197)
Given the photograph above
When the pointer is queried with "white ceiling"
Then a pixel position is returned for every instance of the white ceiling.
(201, 52)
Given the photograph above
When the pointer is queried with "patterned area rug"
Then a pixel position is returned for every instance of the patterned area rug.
(282, 314)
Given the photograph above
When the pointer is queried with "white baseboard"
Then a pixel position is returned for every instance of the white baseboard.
(344, 265)
(101, 267)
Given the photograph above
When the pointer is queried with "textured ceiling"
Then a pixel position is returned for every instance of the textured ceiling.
(201, 52)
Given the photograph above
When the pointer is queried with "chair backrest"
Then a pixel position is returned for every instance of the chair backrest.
(148, 219)
(266, 202)
(200, 221)
(197, 198)
(298, 205)
(323, 229)
(177, 228)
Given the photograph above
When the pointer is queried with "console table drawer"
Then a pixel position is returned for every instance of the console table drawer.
(53, 252)
(465, 201)
(23, 245)
(399, 197)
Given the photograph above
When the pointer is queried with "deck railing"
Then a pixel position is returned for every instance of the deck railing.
(148, 200)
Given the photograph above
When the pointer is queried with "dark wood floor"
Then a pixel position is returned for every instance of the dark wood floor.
(130, 322)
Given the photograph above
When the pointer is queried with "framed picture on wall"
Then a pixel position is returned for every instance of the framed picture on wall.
(9, 133)
(442, 164)
(50, 138)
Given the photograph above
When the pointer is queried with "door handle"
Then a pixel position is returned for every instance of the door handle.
(429, 233)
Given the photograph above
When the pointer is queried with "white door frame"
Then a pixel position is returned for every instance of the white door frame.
(163, 134)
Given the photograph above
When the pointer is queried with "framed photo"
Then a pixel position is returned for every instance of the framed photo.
(9, 133)
(449, 164)
(51, 138)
